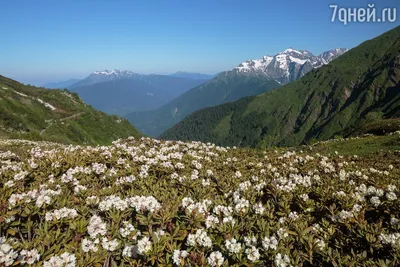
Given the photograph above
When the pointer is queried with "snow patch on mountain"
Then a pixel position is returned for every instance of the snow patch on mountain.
(47, 105)
(250, 65)
(282, 61)
(118, 73)
(21, 94)
(297, 60)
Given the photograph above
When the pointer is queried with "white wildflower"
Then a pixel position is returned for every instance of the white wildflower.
(7, 254)
(270, 243)
(89, 245)
(391, 196)
(282, 260)
(211, 221)
(144, 245)
(375, 201)
(233, 246)
(199, 238)
(179, 256)
(253, 254)
(110, 245)
(215, 259)
(320, 244)
(29, 256)
(282, 233)
(96, 227)
(258, 208)
(304, 197)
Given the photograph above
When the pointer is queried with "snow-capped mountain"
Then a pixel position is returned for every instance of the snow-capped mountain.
(330, 55)
(288, 65)
(106, 76)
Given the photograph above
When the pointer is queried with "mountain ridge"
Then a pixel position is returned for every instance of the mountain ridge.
(353, 89)
(243, 80)
(35, 113)
(192, 75)
(116, 74)
(106, 76)
(60, 84)
(288, 65)
(225, 87)
(123, 92)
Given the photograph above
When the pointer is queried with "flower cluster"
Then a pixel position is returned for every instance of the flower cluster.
(65, 260)
(200, 238)
(64, 213)
(7, 253)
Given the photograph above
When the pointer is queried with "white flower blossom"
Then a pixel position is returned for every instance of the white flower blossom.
(211, 221)
(179, 256)
(391, 196)
(89, 245)
(258, 208)
(7, 254)
(270, 243)
(375, 201)
(110, 245)
(96, 227)
(63, 213)
(253, 254)
(144, 245)
(29, 256)
(215, 259)
(64, 260)
(282, 260)
(233, 246)
(200, 238)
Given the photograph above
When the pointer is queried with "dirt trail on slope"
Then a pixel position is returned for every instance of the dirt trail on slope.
(51, 122)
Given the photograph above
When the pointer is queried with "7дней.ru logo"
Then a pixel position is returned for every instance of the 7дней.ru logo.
(361, 14)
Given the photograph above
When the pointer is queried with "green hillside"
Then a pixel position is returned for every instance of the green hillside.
(39, 114)
(359, 87)
(226, 87)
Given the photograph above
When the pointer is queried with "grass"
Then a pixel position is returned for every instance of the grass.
(368, 145)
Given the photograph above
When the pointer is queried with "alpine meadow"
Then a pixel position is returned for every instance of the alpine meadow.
(199, 133)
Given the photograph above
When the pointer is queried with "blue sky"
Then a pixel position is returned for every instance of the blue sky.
(45, 41)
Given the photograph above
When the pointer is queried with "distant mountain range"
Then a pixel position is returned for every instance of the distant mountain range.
(190, 75)
(359, 87)
(249, 78)
(106, 76)
(29, 112)
(114, 75)
(226, 87)
(121, 92)
(288, 65)
(61, 85)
